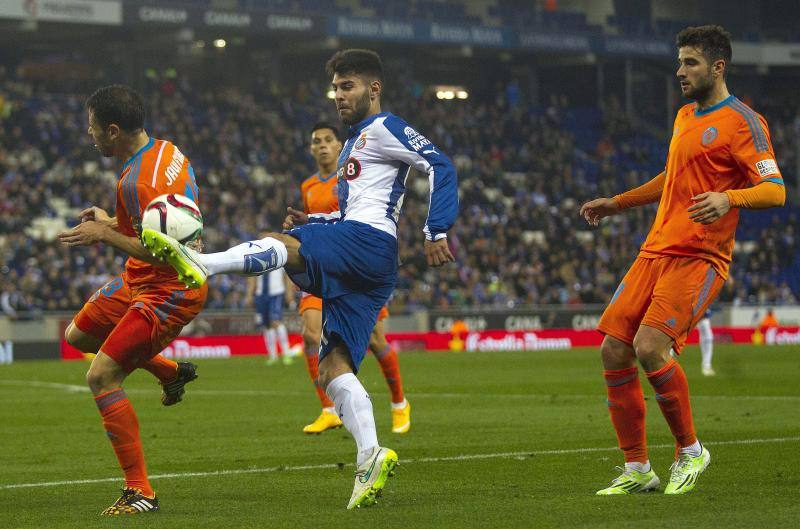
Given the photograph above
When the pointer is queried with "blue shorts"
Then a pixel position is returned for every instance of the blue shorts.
(353, 268)
(269, 309)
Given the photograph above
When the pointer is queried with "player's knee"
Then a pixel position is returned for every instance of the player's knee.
(616, 354)
(651, 353)
(70, 335)
(310, 341)
(77, 339)
(377, 342)
(98, 379)
(334, 364)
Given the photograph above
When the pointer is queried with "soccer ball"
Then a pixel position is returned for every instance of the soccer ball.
(174, 215)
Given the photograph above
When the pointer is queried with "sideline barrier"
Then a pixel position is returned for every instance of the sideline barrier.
(550, 339)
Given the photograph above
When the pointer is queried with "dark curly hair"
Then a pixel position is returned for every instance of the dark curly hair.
(714, 42)
(355, 61)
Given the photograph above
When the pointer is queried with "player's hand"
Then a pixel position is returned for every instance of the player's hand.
(596, 209)
(438, 252)
(84, 234)
(709, 207)
(94, 213)
(294, 218)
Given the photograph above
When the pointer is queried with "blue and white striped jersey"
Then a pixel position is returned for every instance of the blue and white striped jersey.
(372, 171)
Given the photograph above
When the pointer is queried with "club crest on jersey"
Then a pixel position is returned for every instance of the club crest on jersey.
(709, 135)
(360, 143)
(350, 170)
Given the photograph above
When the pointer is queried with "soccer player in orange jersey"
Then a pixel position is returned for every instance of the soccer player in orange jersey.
(320, 195)
(720, 159)
(132, 318)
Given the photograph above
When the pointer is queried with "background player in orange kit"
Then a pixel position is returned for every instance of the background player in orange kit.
(320, 195)
(132, 318)
(720, 159)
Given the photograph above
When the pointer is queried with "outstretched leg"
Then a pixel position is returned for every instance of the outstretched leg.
(256, 257)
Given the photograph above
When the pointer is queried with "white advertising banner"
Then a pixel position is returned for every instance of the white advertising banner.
(107, 12)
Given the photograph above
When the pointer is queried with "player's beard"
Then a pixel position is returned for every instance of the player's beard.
(360, 111)
(703, 88)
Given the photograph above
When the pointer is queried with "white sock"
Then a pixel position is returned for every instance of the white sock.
(706, 341)
(641, 467)
(249, 258)
(283, 338)
(355, 409)
(693, 449)
(399, 405)
(329, 410)
(272, 345)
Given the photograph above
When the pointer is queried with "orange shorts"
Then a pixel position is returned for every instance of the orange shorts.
(670, 294)
(137, 323)
(308, 302)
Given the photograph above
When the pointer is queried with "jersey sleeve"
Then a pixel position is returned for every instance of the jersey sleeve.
(406, 145)
(751, 147)
(121, 211)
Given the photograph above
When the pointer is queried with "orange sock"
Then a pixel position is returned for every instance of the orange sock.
(122, 429)
(672, 395)
(626, 405)
(390, 366)
(312, 363)
(162, 368)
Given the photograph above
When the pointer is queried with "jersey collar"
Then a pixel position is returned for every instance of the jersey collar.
(138, 153)
(325, 178)
(712, 108)
(358, 127)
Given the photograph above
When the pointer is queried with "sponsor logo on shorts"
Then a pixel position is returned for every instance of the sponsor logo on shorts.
(671, 322)
(767, 167)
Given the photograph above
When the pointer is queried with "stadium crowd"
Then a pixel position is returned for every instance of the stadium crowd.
(518, 241)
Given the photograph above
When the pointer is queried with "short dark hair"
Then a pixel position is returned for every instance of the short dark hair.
(117, 104)
(325, 125)
(355, 61)
(714, 42)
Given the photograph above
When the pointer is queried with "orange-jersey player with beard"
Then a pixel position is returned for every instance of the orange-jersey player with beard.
(720, 159)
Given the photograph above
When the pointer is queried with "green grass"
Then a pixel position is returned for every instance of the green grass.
(243, 415)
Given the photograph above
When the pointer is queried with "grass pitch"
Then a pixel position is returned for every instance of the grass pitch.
(497, 440)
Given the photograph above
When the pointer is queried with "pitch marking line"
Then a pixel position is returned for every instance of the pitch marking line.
(72, 388)
(464, 457)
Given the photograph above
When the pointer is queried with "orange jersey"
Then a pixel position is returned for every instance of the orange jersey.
(726, 146)
(320, 195)
(158, 168)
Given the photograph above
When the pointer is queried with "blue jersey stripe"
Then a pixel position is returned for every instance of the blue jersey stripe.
(130, 185)
(343, 186)
(398, 190)
(126, 193)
